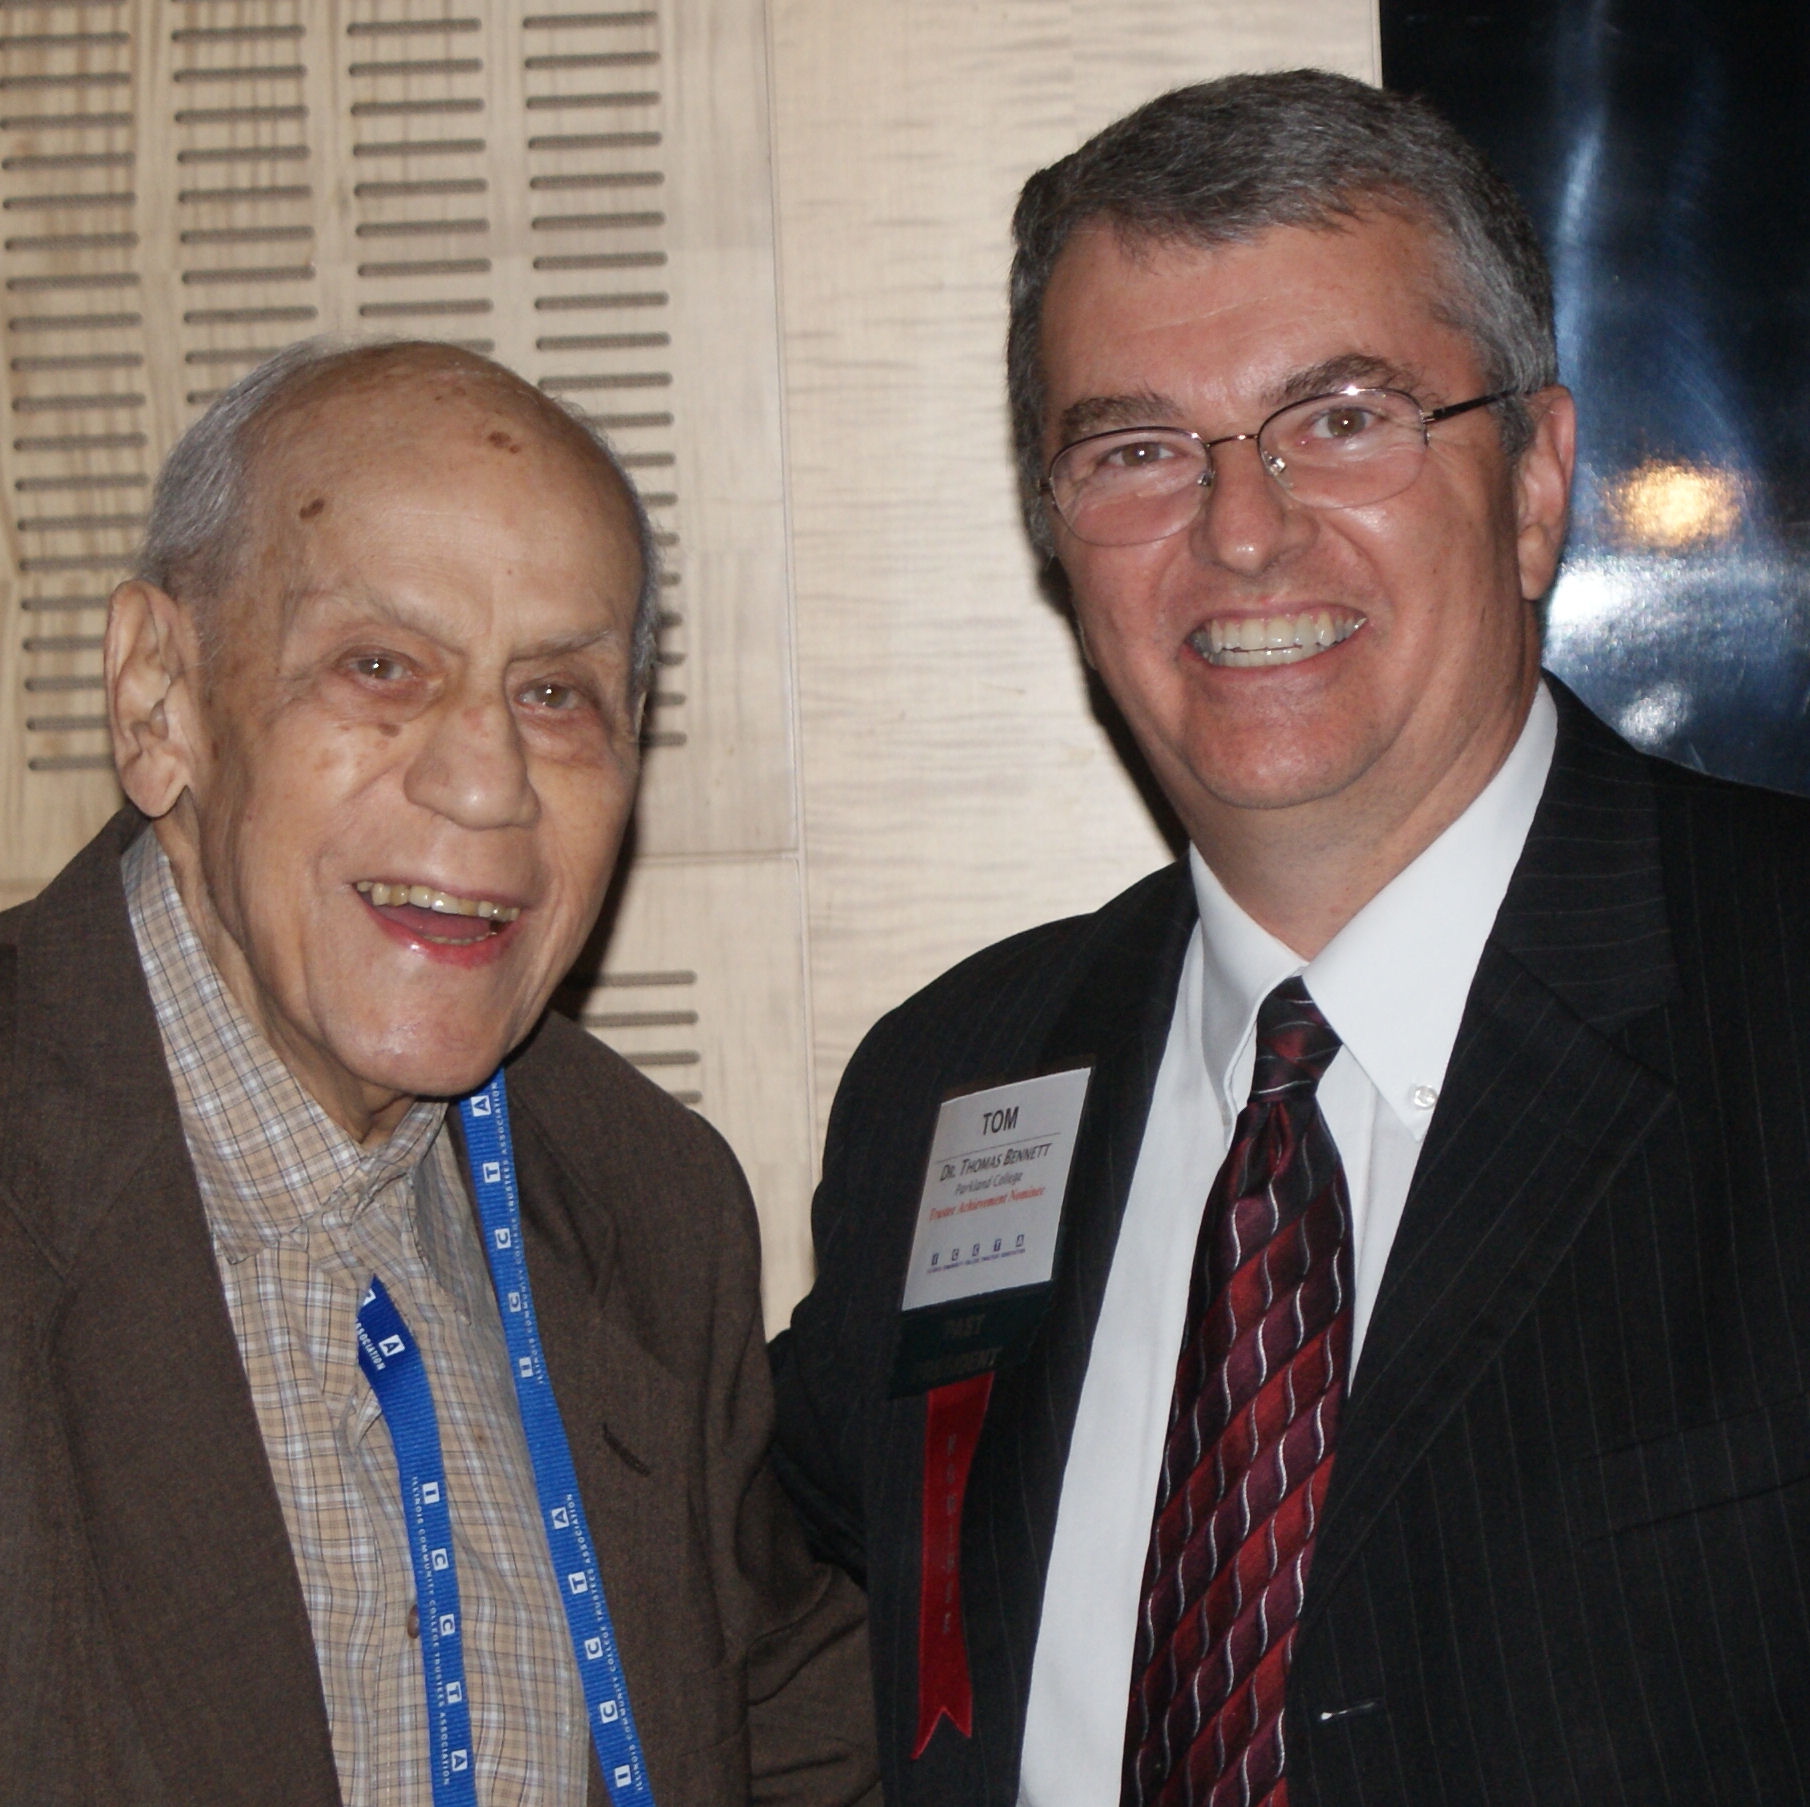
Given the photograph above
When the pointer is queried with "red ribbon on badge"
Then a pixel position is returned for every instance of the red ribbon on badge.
(952, 1422)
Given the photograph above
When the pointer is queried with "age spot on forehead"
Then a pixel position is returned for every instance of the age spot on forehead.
(500, 439)
(309, 510)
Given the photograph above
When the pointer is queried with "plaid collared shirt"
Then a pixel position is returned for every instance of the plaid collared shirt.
(301, 1218)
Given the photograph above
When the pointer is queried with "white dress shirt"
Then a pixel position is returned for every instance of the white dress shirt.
(1392, 983)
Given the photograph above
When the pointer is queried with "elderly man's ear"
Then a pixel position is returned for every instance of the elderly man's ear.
(153, 655)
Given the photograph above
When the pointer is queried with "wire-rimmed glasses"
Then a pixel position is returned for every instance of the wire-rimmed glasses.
(1347, 449)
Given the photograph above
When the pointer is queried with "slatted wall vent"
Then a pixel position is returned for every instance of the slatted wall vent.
(69, 248)
(592, 104)
(236, 260)
(646, 1027)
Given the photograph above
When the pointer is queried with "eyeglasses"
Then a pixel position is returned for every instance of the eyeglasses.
(1344, 450)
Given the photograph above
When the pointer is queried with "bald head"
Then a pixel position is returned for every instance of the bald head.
(214, 514)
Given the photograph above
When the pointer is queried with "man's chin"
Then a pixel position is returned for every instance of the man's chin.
(1260, 784)
(382, 1051)
(439, 1072)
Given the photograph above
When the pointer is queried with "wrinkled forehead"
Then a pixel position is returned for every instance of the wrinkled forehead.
(349, 426)
(328, 471)
(1319, 289)
(451, 433)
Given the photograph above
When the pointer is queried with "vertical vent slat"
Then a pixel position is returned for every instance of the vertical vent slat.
(76, 413)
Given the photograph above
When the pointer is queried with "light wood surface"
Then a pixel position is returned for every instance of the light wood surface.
(766, 245)
(711, 1009)
(956, 786)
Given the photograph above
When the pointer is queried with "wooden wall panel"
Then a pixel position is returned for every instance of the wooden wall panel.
(711, 1008)
(955, 784)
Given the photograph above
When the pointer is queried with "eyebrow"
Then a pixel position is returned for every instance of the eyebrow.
(1359, 367)
(557, 645)
(1145, 408)
(370, 603)
(1101, 413)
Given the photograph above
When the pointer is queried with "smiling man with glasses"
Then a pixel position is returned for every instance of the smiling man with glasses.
(1378, 1375)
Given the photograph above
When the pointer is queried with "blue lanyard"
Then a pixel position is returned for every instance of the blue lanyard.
(393, 1366)
(485, 1117)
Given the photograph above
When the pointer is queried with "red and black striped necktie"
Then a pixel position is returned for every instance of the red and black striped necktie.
(1251, 1432)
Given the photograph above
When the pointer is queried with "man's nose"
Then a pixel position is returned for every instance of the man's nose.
(473, 769)
(1246, 519)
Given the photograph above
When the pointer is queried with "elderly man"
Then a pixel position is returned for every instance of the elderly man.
(1411, 1406)
(289, 1512)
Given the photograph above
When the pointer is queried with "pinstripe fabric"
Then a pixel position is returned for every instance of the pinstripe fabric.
(1566, 1551)
(300, 1219)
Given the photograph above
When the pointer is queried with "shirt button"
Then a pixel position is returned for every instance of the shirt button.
(1424, 1097)
(414, 1621)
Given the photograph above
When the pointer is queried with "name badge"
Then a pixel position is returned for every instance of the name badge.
(988, 1220)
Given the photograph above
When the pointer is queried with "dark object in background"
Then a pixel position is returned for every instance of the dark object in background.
(1664, 149)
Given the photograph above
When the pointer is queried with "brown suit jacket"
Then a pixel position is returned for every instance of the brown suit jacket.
(154, 1645)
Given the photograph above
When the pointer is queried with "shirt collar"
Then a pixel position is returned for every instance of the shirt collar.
(1394, 980)
(267, 1158)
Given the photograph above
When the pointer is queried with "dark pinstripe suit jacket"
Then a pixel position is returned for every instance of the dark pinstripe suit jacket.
(1566, 1553)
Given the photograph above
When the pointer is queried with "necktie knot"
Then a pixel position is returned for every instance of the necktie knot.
(1295, 1043)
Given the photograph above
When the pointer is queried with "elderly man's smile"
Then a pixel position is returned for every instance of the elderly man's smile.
(1247, 640)
(426, 724)
(426, 913)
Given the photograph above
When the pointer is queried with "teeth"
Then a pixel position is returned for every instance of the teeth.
(425, 897)
(1246, 640)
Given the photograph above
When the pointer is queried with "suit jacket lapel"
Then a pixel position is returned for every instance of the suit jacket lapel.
(1117, 1021)
(1540, 1110)
(186, 1536)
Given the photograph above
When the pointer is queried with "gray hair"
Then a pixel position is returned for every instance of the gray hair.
(202, 516)
(1223, 161)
